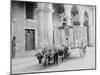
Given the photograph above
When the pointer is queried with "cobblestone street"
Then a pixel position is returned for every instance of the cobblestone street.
(74, 62)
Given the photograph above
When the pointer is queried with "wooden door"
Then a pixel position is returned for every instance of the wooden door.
(29, 39)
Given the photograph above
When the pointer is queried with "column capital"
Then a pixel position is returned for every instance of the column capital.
(46, 8)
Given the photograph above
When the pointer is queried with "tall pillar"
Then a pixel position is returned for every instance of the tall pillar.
(68, 13)
(81, 15)
(45, 24)
(41, 26)
(48, 22)
(92, 27)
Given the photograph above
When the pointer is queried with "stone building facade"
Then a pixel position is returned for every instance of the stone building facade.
(37, 24)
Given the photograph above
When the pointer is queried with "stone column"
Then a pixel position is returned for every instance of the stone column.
(68, 13)
(92, 27)
(45, 24)
(81, 15)
(41, 25)
(48, 10)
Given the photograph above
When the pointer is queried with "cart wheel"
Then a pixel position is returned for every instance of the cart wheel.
(82, 52)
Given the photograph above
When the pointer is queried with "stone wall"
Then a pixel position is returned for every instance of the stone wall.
(20, 23)
(45, 21)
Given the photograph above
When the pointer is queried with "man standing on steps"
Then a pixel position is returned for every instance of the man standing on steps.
(13, 50)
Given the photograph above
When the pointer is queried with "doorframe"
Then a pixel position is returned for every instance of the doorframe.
(36, 38)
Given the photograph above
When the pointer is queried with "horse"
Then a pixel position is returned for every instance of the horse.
(51, 53)
(39, 57)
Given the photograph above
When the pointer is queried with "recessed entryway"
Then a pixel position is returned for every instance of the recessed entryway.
(29, 39)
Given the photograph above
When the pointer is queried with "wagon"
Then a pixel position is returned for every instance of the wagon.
(78, 39)
(81, 46)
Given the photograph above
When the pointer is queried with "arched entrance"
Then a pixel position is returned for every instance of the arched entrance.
(86, 24)
(75, 16)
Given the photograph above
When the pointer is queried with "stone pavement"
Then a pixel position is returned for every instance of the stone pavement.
(27, 53)
(30, 63)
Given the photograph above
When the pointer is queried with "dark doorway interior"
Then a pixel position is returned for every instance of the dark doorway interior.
(29, 39)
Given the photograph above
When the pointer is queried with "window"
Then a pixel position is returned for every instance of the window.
(59, 8)
(74, 11)
(30, 6)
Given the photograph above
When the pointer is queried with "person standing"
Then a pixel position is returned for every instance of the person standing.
(55, 57)
(13, 46)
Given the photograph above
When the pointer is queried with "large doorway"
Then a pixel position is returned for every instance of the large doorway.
(29, 39)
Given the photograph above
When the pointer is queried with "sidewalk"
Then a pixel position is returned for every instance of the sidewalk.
(24, 57)
(23, 60)
(27, 53)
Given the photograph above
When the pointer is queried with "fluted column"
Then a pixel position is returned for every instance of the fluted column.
(41, 25)
(45, 24)
(48, 10)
